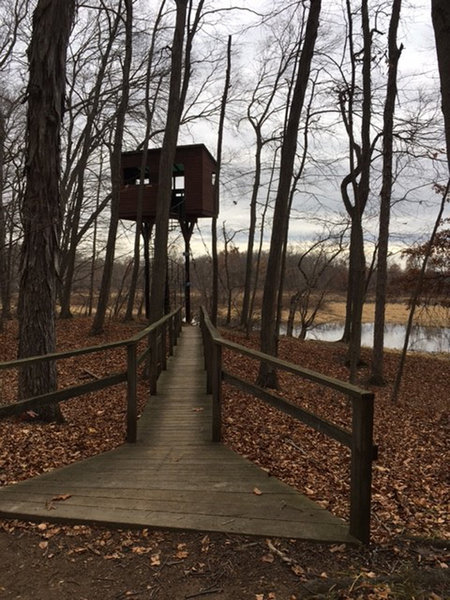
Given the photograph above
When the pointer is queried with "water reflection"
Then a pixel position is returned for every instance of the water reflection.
(424, 339)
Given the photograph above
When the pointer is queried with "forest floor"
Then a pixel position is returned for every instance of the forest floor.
(409, 555)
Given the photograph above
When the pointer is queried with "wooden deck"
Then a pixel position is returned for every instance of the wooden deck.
(174, 476)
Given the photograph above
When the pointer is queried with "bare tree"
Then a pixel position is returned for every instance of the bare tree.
(355, 187)
(177, 94)
(150, 107)
(269, 333)
(81, 148)
(313, 265)
(261, 108)
(116, 175)
(417, 291)
(377, 375)
(158, 285)
(215, 261)
(12, 17)
(440, 11)
(41, 210)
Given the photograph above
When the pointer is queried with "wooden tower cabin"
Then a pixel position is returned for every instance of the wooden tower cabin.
(193, 196)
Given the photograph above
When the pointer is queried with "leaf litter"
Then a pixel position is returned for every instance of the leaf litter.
(410, 492)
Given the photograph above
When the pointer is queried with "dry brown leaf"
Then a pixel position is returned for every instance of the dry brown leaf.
(268, 558)
(61, 497)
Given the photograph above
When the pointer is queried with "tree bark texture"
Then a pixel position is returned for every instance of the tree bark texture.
(41, 209)
(377, 375)
(440, 10)
(269, 332)
(167, 158)
(358, 179)
(3, 261)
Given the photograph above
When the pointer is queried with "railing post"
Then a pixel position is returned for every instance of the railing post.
(164, 347)
(131, 392)
(179, 323)
(153, 361)
(171, 336)
(208, 349)
(361, 467)
(216, 384)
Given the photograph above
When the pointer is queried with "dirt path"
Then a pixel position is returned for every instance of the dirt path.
(51, 563)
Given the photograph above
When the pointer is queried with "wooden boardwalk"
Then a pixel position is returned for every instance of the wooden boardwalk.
(174, 476)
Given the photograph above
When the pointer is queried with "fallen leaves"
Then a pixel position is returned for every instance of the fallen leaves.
(268, 558)
(409, 491)
(61, 497)
(181, 552)
(93, 423)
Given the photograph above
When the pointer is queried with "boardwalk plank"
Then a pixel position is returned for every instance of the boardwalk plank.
(174, 476)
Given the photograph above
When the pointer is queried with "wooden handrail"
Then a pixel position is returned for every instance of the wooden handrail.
(129, 376)
(359, 439)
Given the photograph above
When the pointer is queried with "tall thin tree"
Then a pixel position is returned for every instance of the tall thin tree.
(116, 175)
(377, 375)
(158, 284)
(178, 88)
(272, 285)
(215, 290)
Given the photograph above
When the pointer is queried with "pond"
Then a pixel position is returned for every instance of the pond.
(423, 339)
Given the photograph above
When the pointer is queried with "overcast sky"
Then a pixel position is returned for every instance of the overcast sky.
(417, 69)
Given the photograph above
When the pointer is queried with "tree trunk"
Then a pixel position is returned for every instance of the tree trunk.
(116, 177)
(291, 317)
(245, 315)
(269, 332)
(149, 111)
(377, 375)
(41, 209)
(3, 260)
(358, 263)
(146, 231)
(440, 11)
(215, 272)
(215, 259)
(166, 166)
(77, 176)
(358, 178)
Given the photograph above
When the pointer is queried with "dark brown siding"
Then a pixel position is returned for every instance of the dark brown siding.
(199, 166)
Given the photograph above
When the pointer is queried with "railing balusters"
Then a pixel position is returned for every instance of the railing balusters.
(171, 336)
(129, 376)
(216, 388)
(132, 392)
(163, 347)
(360, 439)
